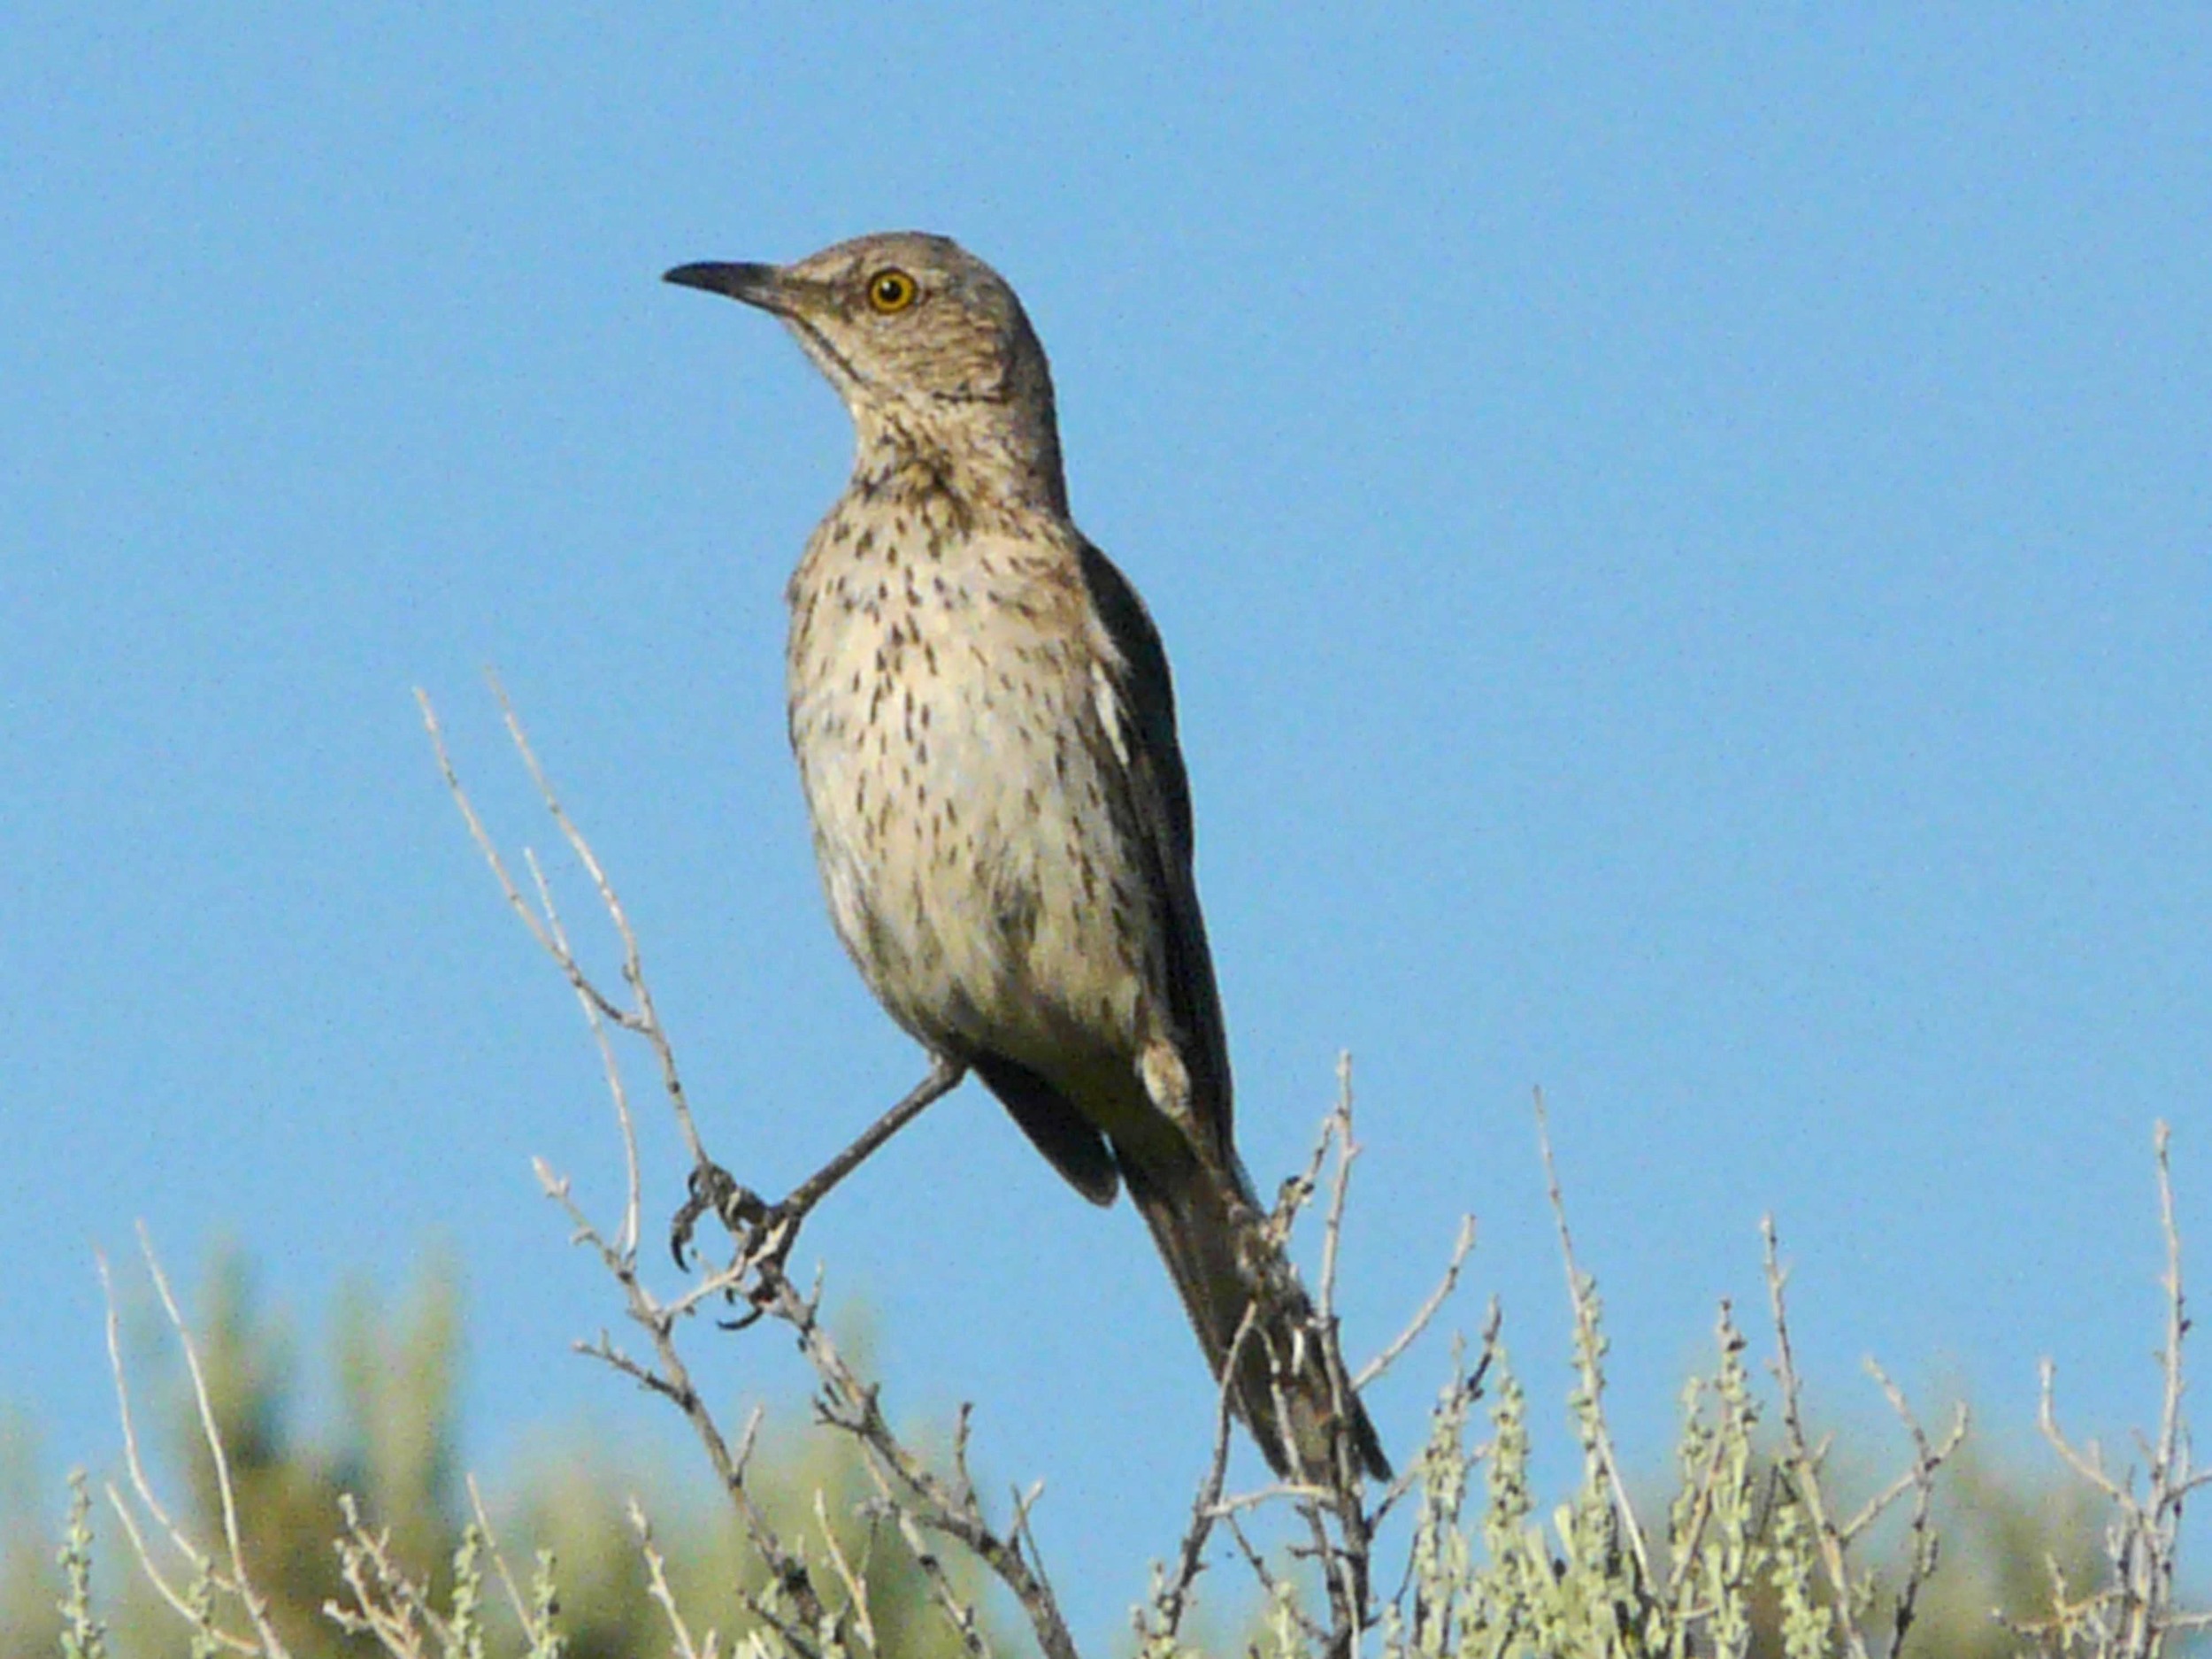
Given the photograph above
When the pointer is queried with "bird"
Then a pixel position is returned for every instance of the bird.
(984, 723)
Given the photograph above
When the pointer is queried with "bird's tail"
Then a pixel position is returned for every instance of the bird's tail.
(1290, 1388)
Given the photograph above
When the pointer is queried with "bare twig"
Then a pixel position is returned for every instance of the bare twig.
(610, 1067)
(1340, 1127)
(1461, 1247)
(1158, 1627)
(856, 1584)
(141, 1485)
(1326, 1503)
(657, 1586)
(234, 1580)
(2132, 1616)
(671, 1378)
(1588, 1345)
(920, 1499)
(524, 1618)
(1346, 1557)
(1920, 1481)
(643, 1021)
(388, 1605)
(1801, 1461)
(1729, 1443)
(1799, 1456)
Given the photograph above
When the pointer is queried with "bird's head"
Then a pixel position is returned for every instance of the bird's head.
(928, 345)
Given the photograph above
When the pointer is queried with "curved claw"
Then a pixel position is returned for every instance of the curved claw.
(714, 1191)
(764, 1232)
(752, 1318)
(711, 1190)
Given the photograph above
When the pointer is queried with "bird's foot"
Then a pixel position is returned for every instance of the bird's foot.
(763, 1232)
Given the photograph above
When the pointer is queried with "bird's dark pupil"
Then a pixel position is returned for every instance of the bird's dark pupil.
(890, 290)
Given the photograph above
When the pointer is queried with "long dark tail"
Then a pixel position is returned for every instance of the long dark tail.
(1290, 1389)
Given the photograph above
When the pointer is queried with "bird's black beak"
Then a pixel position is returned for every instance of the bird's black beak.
(760, 285)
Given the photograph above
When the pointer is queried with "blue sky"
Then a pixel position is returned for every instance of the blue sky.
(1684, 541)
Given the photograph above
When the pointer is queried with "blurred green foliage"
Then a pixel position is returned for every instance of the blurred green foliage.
(390, 1443)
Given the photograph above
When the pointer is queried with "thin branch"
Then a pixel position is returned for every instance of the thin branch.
(140, 1483)
(918, 1496)
(1171, 1596)
(1340, 1125)
(610, 1067)
(1802, 1460)
(1586, 1345)
(856, 1585)
(257, 1606)
(633, 963)
(2088, 1464)
(1920, 1480)
(668, 1375)
(524, 1618)
(657, 1586)
(1461, 1247)
(237, 1582)
(671, 1379)
(179, 1603)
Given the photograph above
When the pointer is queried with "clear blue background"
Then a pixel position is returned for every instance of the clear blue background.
(1686, 544)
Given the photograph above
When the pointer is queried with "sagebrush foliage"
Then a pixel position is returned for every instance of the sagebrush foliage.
(1737, 1567)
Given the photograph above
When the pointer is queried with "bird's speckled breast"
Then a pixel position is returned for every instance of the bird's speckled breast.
(953, 759)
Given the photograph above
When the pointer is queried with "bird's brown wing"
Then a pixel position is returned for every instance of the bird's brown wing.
(1158, 798)
(1146, 772)
(1227, 1266)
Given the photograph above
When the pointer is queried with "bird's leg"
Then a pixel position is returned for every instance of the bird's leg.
(768, 1230)
(945, 1075)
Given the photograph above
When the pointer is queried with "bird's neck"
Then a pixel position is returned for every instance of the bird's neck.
(991, 463)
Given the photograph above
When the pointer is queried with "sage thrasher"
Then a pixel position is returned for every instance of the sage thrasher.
(986, 733)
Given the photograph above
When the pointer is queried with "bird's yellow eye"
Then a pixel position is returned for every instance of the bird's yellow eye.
(891, 290)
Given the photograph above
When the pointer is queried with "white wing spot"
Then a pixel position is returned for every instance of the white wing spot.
(1110, 713)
